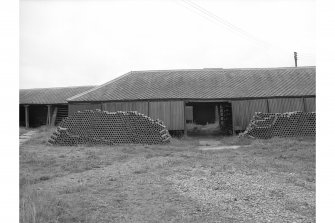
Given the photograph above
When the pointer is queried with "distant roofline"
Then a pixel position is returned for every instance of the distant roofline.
(57, 87)
(97, 87)
(218, 68)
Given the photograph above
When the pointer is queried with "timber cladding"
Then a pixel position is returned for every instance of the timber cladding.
(310, 104)
(141, 107)
(73, 108)
(281, 105)
(244, 110)
(170, 112)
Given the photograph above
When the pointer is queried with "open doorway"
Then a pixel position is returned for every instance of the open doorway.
(208, 118)
(37, 115)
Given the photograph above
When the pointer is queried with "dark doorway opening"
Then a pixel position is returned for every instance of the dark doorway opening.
(204, 113)
(22, 120)
(37, 115)
(209, 118)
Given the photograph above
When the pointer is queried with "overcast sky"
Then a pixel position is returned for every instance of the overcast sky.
(72, 43)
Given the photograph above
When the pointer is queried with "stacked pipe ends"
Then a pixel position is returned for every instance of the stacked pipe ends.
(290, 124)
(109, 128)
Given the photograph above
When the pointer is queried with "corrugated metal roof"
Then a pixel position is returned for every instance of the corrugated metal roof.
(205, 84)
(50, 95)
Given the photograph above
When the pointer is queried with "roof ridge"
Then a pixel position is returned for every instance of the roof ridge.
(98, 87)
(200, 69)
(57, 87)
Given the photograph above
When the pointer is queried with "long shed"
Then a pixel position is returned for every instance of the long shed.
(46, 106)
(200, 96)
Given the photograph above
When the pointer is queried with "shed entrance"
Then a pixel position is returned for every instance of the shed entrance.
(38, 115)
(209, 118)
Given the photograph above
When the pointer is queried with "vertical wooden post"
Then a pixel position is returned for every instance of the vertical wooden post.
(232, 117)
(26, 110)
(185, 128)
(304, 104)
(49, 115)
(53, 119)
(149, 109)
(267, 105)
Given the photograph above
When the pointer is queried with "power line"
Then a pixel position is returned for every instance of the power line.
(201, 14)
(225, 23)
(206, 14)
(233, 27)
(211, 19)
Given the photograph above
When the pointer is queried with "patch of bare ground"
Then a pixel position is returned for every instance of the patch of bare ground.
(269, 181)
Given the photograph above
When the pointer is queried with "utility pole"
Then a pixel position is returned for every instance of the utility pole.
(296, 59)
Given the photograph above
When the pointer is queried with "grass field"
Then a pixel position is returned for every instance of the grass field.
(23, 130)
(266, 181)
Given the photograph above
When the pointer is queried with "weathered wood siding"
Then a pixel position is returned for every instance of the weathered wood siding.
(244, 110)
(161, 110)
(310, 104)
(83, 106)
(141, 107)
(177, 115)
(281, 105)
(170, 112)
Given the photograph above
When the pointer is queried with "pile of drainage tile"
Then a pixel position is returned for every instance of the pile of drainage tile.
(290, 124)
(109, 128)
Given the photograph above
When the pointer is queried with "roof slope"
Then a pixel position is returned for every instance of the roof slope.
(50, 95)
(206, 84)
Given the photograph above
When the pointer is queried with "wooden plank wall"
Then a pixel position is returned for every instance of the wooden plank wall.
(141, 107)
(161, 110)
(177, 115)
(244, 110)
(310, 104)
(281, 105)
(83, 106)
(170, 112)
